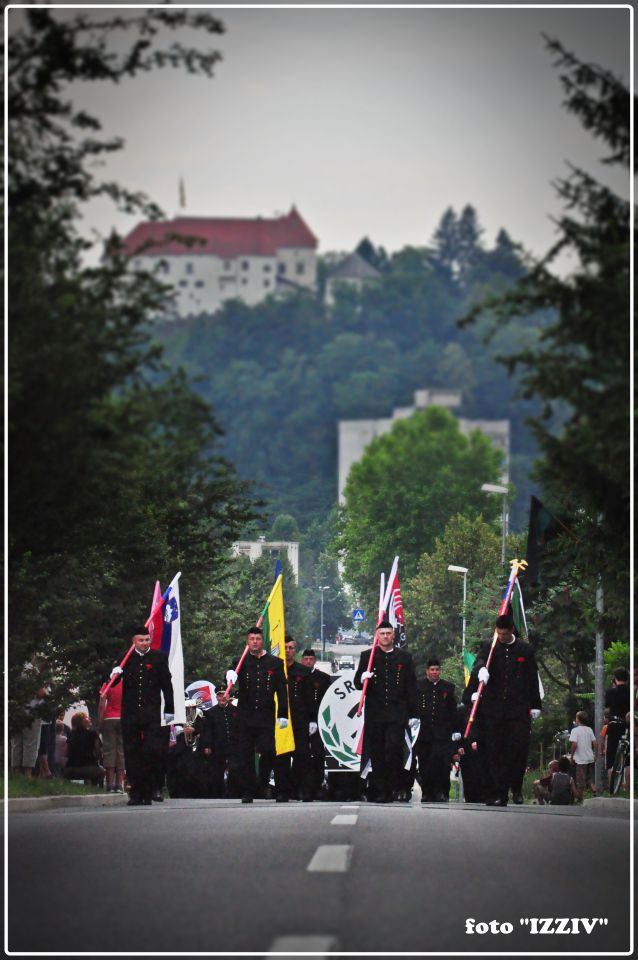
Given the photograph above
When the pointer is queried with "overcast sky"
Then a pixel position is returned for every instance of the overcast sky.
(371, 121)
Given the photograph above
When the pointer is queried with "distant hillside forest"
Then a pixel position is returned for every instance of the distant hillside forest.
(281, 374)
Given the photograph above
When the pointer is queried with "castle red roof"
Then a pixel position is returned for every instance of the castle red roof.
(222, 237)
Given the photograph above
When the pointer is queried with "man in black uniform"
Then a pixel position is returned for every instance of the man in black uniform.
(511, 697)
(319, 683)
(145, 677)
(437, 713)
(390, 704)
(219, 741)
(260, 678)
(293, 769)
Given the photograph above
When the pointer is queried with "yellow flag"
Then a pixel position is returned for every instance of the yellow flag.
(274, 628)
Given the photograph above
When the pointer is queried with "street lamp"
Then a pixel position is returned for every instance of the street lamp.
(454, 569)
(323, 646)
(499, 488)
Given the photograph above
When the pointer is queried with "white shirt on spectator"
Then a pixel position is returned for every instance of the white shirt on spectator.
(584, 739)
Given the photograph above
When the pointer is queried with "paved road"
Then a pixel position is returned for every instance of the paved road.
(191, 875)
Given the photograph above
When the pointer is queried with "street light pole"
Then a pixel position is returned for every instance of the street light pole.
(323, 646)
(499, 488)
(454, 569)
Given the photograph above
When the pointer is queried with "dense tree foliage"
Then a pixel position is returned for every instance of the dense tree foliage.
(115, 474)
(433, 596)
(580, 369)
(401, 494)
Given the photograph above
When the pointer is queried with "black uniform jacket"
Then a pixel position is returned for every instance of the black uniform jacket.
(512, 689)
(299, 695)
(145, 679)
(319, 683)
(391, 695)
(437, 709)
(220, 730)
(259, 679)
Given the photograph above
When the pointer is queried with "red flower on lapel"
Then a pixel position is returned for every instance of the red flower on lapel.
(149, 666)
(520, 659)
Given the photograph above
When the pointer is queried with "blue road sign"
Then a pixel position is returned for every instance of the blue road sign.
(357, 615)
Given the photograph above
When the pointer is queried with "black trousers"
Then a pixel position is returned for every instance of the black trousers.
(145, 757)
(317, 762)
(293, 770)
(227, 781)
(385, 743)
(504, 746)
(434, 758)
(254, 740)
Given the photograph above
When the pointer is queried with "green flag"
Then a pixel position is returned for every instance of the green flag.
(468, 663)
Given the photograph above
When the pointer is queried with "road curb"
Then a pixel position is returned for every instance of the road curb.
(608, 806)
(27, 804)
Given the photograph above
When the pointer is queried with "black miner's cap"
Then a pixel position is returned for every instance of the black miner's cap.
(385, 625)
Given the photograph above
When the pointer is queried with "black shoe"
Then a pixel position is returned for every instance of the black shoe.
(135, 802)
(157, 796)
(517, 798)
(281, 798)
(147, 802)
(498, 802)
(441, 798)
(246, 799)
(384, 798)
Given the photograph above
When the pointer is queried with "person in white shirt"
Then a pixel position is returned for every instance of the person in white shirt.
(582, 741)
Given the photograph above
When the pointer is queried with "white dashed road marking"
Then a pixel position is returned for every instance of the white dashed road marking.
(331, 858)
(343, 819)
(310, 943)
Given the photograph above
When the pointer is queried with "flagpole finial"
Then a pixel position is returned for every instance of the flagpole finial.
(519, 564)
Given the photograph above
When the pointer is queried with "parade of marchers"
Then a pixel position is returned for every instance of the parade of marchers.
(412, 729)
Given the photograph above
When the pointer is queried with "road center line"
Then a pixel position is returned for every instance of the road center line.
(305, 943)
(331, 858)
(343, 819)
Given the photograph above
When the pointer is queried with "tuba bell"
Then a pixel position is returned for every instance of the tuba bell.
(192, 713)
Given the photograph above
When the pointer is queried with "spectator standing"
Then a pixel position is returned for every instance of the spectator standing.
(618, 700)
(59, 762)
(109, 719)
(582, 741)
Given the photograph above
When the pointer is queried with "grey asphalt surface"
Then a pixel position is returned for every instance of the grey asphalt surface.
(218, 876)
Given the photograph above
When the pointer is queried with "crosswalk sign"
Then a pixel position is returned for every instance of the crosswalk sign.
(357, 615)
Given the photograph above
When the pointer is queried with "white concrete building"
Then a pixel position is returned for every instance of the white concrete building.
(253, 549)
(209, 260)
(355, 435)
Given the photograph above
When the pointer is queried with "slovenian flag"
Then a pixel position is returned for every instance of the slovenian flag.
(164, 627)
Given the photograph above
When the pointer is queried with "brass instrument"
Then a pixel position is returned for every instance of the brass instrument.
(192, 713)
